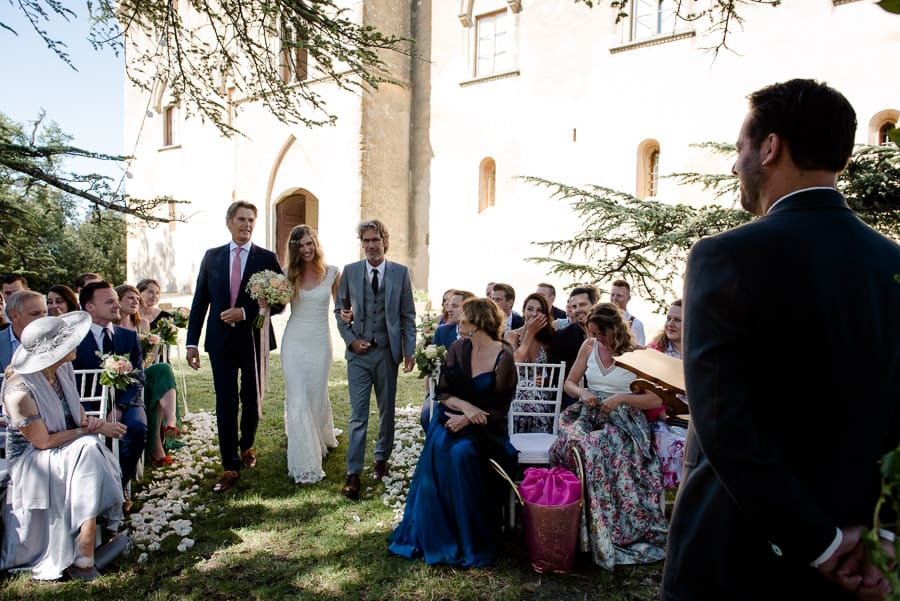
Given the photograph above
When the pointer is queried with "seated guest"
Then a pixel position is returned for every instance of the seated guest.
(453, 511)
(609, 429)
(444, 336)
(530, 344)
(160, 400)
(150, 291)
(61, 299)
(548, 291)
(505, 296)
(445, 298)
(4, 323)
(11, 284)
(86, 278)
(61, 476)
(568, 341)
(619, 295)
(102, 303)
(669, 440)
(22, 308)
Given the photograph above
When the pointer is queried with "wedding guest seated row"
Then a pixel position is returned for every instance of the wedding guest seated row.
(160, 401)
(568, 341)
(61, 476)
(445, 335)
(453, 510)
(609, 428)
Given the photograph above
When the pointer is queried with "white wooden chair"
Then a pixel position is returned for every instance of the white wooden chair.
(543, 382)
(92, 392)
(431, 385)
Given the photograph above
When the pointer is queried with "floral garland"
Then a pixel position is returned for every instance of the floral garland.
(408, 441)
(166, 500)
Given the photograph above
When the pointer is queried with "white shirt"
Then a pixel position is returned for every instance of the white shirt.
(244, 255)
(372, 268)
(97, 331)
(637, 328)
(789, 194)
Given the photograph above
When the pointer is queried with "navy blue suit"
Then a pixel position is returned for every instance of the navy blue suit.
(130, 401)
(793, 400)
(445, 335)
(230, 353)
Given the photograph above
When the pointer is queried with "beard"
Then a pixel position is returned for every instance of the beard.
(751, 178)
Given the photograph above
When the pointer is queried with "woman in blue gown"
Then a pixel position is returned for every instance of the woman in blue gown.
(453, 510)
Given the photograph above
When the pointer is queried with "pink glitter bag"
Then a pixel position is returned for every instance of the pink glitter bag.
(554, 486)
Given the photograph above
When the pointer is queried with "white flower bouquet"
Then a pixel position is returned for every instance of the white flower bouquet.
(273, 288)
(118, 372)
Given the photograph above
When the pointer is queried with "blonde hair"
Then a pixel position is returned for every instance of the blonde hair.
(295, 263)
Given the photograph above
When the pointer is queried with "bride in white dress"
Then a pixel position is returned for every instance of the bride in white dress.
(306, 357)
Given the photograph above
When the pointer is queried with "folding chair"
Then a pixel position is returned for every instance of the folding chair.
(94, 394)
(542, 385)
(431, 385)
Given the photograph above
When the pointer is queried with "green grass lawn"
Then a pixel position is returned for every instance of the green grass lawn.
(271, 539)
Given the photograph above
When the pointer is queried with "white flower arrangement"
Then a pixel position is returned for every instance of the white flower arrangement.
(408, 441)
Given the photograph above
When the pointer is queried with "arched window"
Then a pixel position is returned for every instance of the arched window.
(487, 183)
(880, 124)
(171, 119)
(647, 169)
(883, 132)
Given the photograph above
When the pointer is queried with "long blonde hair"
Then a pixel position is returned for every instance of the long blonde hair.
(295, 263)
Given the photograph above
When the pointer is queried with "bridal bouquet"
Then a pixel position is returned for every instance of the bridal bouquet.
(117, 371)
(271, 287)
(427, 357)
(166, 330)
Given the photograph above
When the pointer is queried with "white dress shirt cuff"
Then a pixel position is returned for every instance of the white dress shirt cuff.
(827, 553)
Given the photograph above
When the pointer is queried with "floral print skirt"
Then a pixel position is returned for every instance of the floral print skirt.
(624, 522)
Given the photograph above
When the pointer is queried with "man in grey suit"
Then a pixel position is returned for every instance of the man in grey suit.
(382, 333)
(22, 307)
(794, 401)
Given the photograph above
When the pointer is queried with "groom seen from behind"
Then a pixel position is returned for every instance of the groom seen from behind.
(382, 333)
(231, 340)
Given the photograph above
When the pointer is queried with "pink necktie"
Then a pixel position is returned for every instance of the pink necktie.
(236, 275)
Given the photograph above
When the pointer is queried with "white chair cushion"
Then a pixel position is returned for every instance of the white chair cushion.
(533, 447)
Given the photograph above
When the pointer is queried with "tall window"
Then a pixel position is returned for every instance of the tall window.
(487, 184)
(492, 43)
(883, 133)
(170, 125)
(651, 18)
(648, 169)
(294, 56)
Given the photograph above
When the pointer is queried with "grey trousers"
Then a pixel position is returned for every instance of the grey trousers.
(375, 369)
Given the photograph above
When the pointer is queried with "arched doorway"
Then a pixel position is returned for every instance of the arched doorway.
(300, 206)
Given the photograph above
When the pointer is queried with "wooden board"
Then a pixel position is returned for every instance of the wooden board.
(657, 367)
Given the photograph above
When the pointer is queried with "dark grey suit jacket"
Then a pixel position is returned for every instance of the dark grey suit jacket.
(792, 363)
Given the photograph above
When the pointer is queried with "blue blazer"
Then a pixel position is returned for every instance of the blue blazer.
(212, 294)
(399, 308)
(5, 350)
(125, 342)
(445, 335)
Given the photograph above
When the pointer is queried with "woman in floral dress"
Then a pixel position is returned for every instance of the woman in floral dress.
(625, 523)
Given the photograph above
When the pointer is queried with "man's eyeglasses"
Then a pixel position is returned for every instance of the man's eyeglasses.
(367, 241)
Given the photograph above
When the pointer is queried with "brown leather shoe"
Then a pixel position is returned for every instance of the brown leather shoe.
(248, 458)
(380, 470)
(351, 487)
(126, 504)
(228, 479)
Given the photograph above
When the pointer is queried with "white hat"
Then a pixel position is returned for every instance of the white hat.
(48, 340)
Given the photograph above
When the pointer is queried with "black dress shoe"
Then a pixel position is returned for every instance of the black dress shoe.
(351, 487)
(380, 470)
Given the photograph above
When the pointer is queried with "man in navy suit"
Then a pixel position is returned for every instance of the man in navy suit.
(505, 296)
(101, 301)
(794, 401)
(380, 336)
(231, 340)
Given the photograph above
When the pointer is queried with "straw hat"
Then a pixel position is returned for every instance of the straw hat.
(48, 340)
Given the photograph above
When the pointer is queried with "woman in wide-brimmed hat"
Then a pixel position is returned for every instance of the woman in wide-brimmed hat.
(62, 477)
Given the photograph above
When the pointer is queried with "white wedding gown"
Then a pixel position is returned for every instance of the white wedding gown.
(306, 359)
